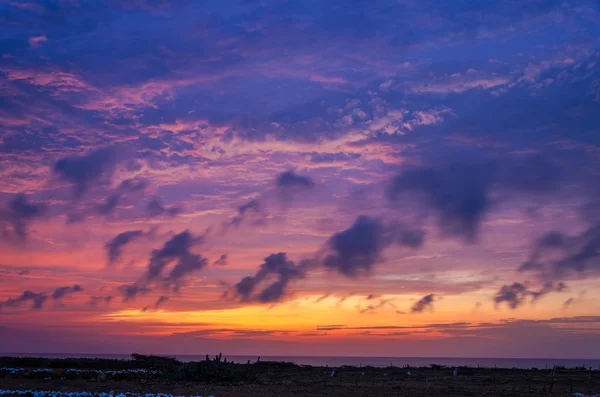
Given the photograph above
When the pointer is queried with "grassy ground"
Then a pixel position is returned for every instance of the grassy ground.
(274, 379)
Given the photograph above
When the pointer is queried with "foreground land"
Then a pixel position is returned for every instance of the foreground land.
(147, 374)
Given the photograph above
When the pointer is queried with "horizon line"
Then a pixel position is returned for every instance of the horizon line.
(7, 354)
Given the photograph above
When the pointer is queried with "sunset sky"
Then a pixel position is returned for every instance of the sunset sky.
(270, 177)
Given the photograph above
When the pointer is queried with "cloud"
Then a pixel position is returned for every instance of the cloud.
(251, 207)
(290, 180)
(134, 184)
(464, 328)
(96, 300)
(516, 294)
(356, 250)
(548, 287)
(155, 209)
(109, 204)
(160, 301)
(556, 255)
(37, 41)
(125, 188)
(460, 84)
(114, 248)
(332, 158)
(175, 252)
(131, 291)
(549, 241)
(568, 303)
(287, 184)
(351, 252)
(290, 184)
(411, 238)
(60, 292)
(459, 192)
(83, 171)
(154, 308)
(425, 303)
(277, 265)
(372, 308)
(19, 213)
(222, 261)
(37, 300)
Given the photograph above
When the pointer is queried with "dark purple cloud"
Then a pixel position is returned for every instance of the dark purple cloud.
(277, 265)
(289, 184)
(568, 303)
(60, 292)
(411, 238)
(37, 300)
(131, 291)
(109, 204)
(155, 209)
(290, 179)
(352, 252)
(114, 248)
(97, 300)
(128, 188)
(175, 252)
(19, 213)
(459, 191)
(222, 261)
(516, 294)
(252, 207)
(425, 303)
(87, 170)
(134, 185)
(357, 249)
(160, 301)
(556, 255)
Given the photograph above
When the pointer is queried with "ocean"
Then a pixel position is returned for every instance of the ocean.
(525, 363)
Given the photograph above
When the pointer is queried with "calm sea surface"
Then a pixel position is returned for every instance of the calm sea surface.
(540, 363)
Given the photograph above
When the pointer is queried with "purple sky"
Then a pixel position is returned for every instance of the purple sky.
(409, 178)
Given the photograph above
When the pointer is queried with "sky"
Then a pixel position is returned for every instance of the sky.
(350, 178)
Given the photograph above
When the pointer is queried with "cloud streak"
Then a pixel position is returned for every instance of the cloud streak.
(114, 248)
(425, 303)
